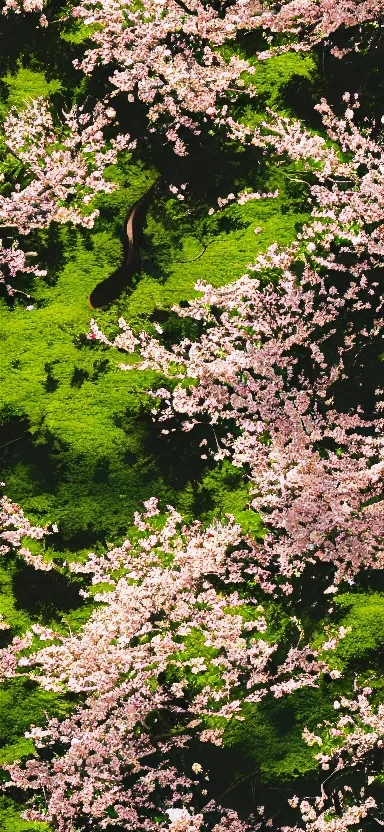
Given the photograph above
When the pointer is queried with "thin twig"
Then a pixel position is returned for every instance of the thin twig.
(198, 256)
(13, 440)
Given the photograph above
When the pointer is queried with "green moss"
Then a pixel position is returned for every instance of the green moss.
(281, 81)
(22, 704)
(363, 646)
(271, 734)
(15, 617)
(84, 457)
(22, 747)
(10, 820)
(27, 84)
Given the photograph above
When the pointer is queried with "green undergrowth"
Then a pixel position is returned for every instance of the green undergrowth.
(271, 736)
(79, 444)
(22, 704)
(11, 821)
(27, 85)
(363, 646)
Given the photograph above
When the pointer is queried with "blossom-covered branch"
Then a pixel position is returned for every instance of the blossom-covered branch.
(62, 170)
(64, 165)
(14, 527)
(13, 262)
(169, 658)
(307, 23)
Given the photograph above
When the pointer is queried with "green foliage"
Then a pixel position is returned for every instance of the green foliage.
(271, 734)
(10, 820)
(11, 613)
(27, 84)
(286, 83)
(222, 491)
(22, 704)
(363, 645)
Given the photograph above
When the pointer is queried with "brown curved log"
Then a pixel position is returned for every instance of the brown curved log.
(111, 288)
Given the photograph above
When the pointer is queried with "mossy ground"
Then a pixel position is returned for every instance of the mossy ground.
(77, 441)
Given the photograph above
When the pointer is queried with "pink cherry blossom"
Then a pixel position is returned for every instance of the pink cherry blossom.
(12, 262)
(167, 589)
(14, 528)
(65, 165)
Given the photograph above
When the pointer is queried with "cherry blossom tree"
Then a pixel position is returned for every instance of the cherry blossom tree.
(273, 355)
(170, 656)
(179, 641)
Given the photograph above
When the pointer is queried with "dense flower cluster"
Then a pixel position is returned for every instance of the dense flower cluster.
(14, 527)
(306, 23)
(65, 166)
(150, 51)
(170, 645)
(13, 262)
(63, 169)
(24, 6)
(167, 55)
